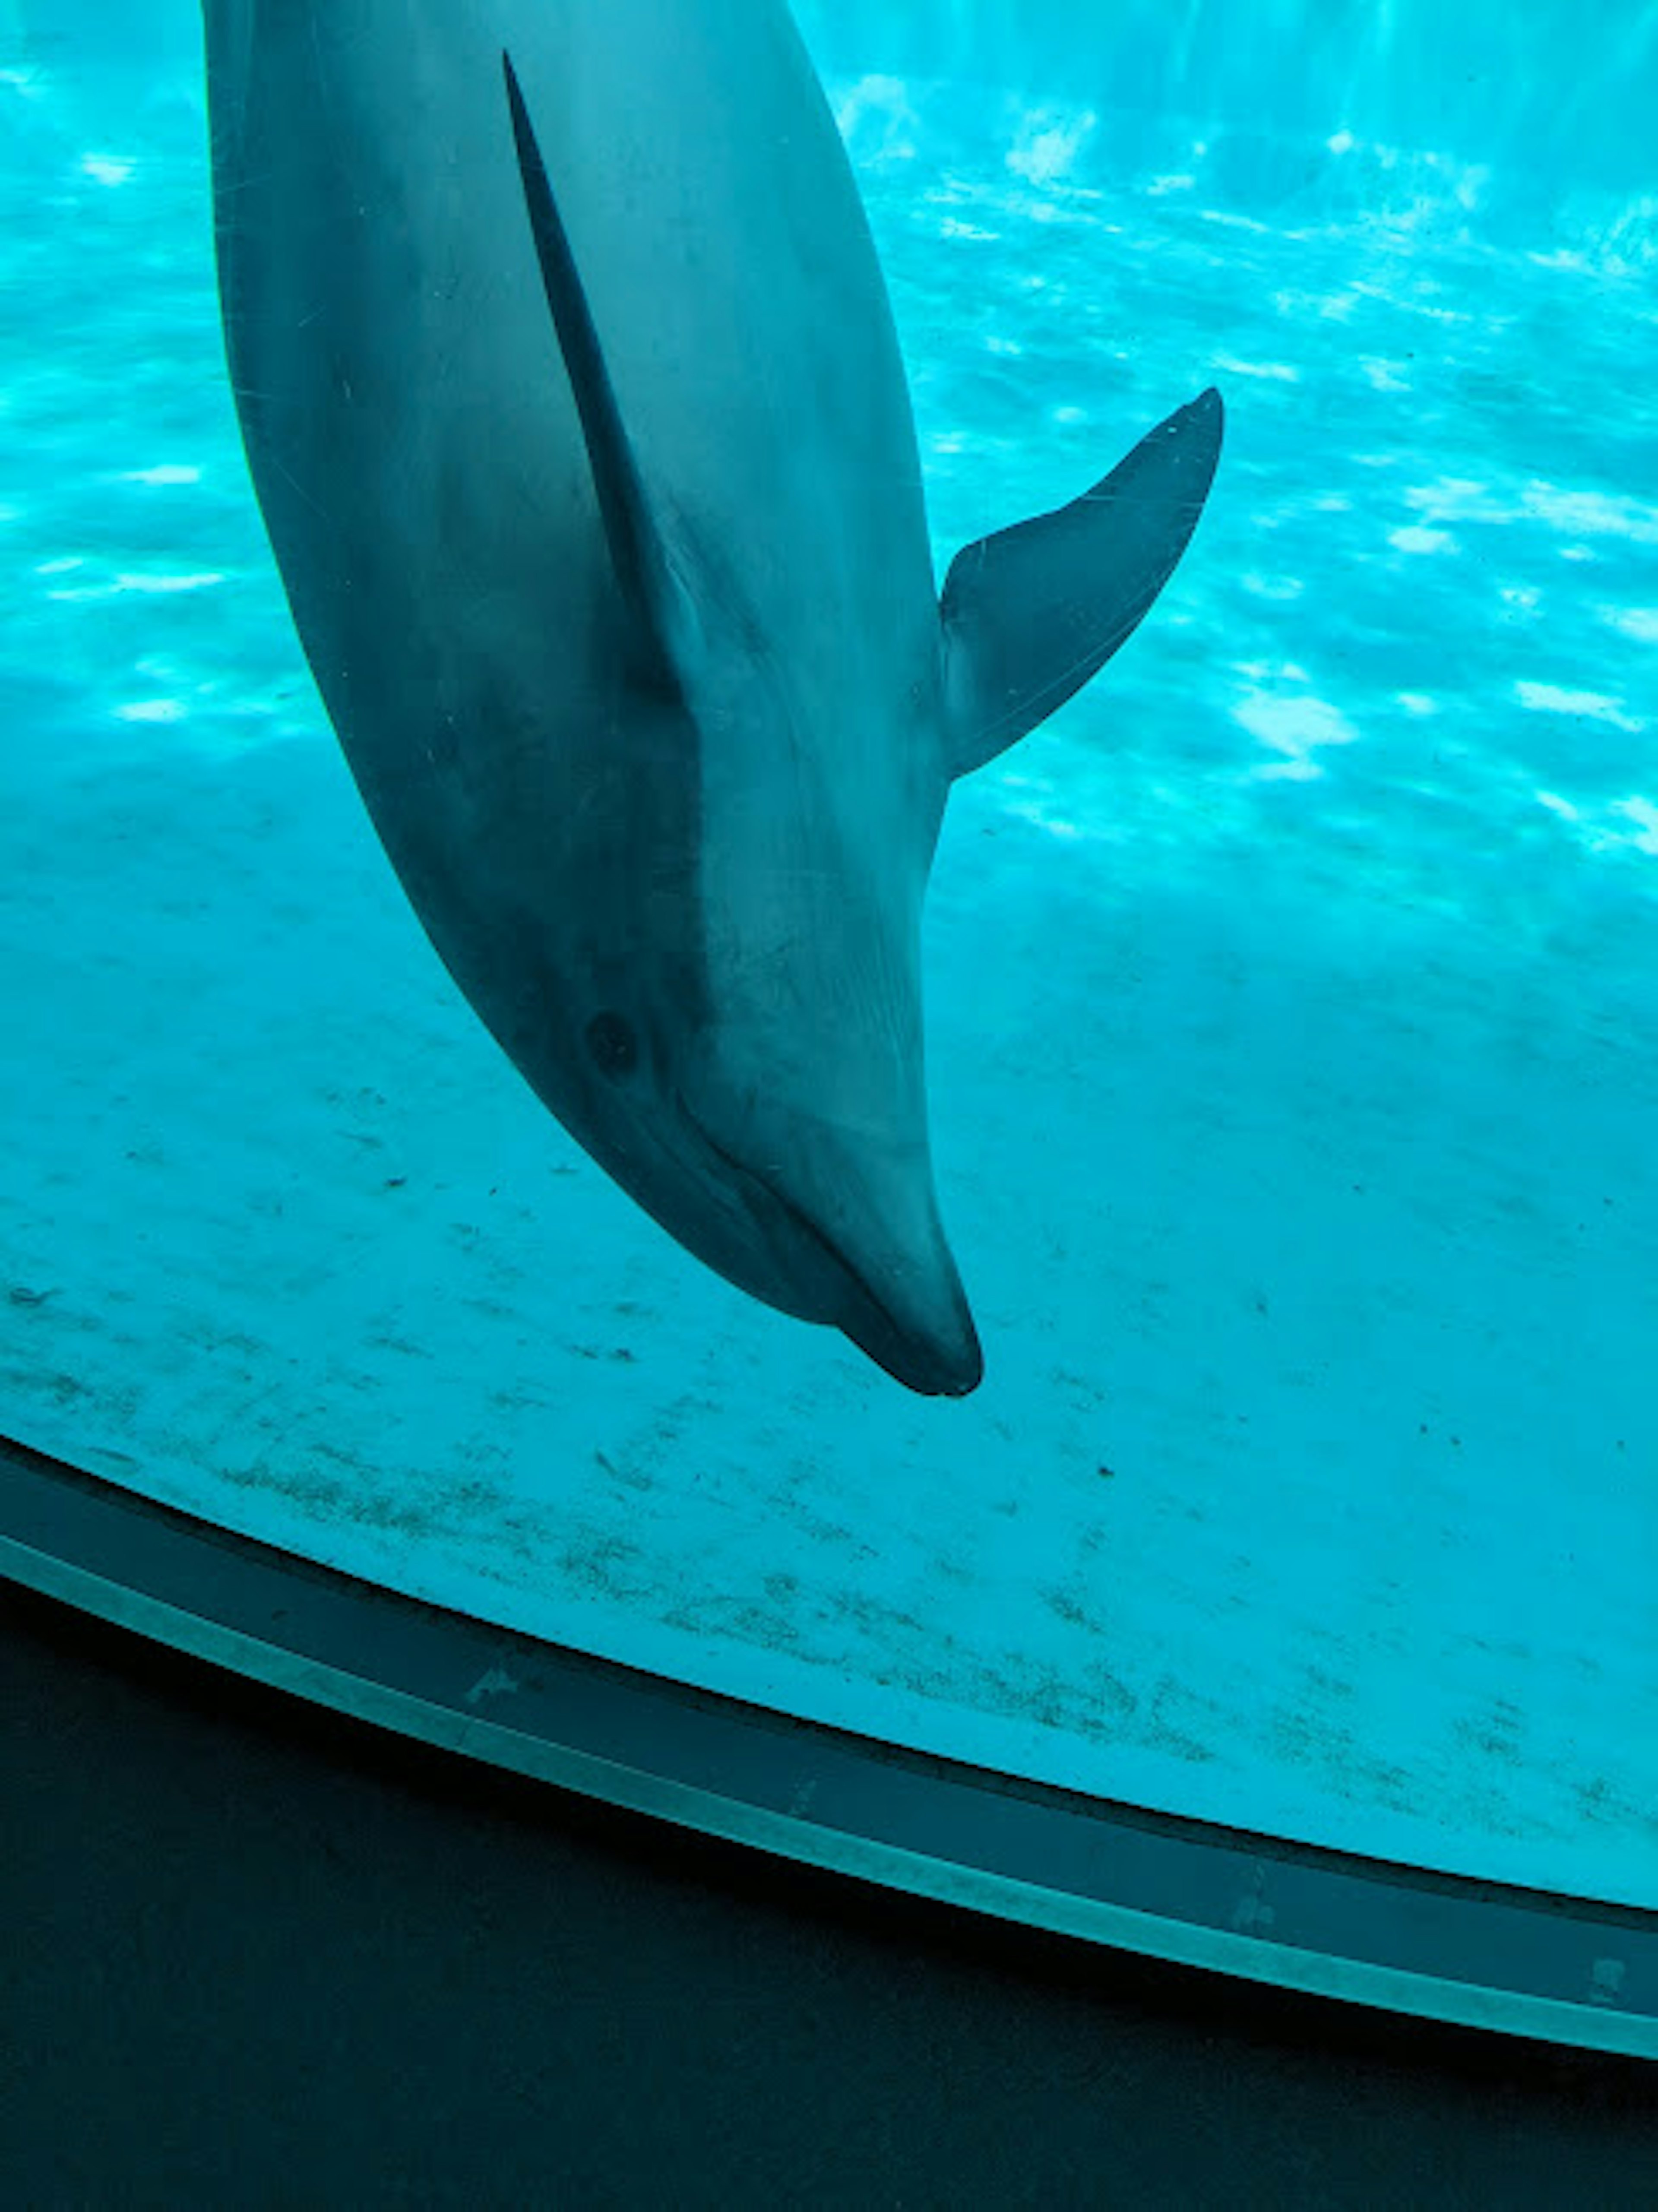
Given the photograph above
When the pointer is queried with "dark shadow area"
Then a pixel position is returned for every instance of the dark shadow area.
(259, 1955)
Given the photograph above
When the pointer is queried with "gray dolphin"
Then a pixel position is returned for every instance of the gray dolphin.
(574, 405)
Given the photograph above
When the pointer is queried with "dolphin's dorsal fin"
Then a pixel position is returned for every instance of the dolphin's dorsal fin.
(662, 620)
(1032, 612)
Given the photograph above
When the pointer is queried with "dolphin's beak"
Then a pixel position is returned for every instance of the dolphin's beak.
(865, 1253)
(937, 1364)
(904, 1307)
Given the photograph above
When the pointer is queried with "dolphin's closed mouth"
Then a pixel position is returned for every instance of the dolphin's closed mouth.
(925, 1361)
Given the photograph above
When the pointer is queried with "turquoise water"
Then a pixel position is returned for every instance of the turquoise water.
(1291, 1009)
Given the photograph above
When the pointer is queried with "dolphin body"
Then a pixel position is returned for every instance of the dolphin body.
(574, 405)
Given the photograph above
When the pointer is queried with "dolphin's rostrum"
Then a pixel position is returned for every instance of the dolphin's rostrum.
(571, 399)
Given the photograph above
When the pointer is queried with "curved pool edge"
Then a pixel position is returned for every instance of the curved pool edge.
(1568, 1971)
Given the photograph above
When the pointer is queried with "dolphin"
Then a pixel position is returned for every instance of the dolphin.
(574, 405)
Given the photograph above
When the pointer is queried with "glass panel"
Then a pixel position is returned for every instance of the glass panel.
(1289, 1003)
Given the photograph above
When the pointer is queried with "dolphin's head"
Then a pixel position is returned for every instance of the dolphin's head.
(754, 1080)
(794, 1202)
(717, 992)
(715, 985)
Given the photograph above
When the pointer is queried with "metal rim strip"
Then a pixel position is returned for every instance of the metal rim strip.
(1489, 1956)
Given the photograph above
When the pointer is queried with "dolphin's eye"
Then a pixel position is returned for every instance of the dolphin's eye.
(613, 1045)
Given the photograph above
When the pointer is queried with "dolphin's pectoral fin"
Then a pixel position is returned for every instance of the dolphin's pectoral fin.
(1032, 612)
(663, 621)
